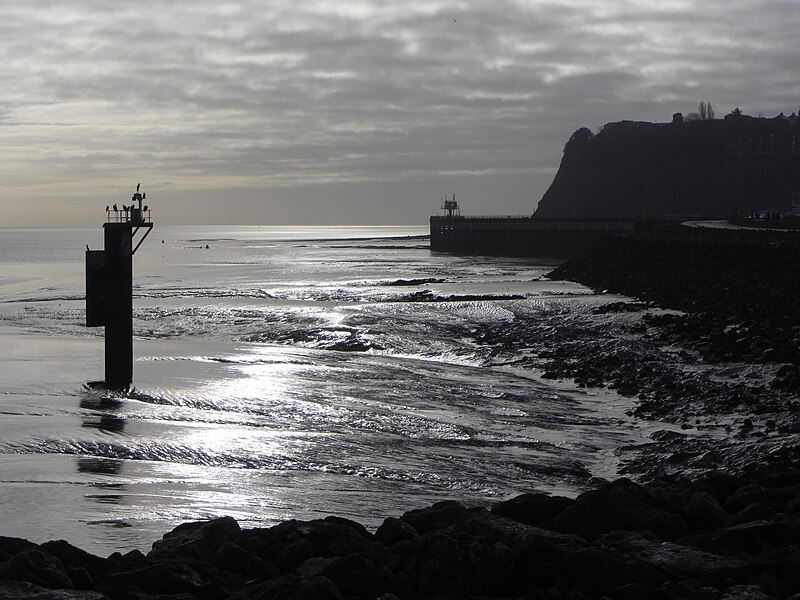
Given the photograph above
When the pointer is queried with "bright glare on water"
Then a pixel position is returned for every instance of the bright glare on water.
(280, 373)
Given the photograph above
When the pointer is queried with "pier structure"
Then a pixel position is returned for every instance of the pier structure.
(522, 235)
(109, 286)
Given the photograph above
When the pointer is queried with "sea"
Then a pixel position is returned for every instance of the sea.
(283, 373)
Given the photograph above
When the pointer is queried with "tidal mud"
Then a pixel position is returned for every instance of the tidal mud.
(715, 349)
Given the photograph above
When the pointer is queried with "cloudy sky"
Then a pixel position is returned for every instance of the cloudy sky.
(352, 111)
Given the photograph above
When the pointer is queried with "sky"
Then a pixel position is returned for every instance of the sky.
(351, 112)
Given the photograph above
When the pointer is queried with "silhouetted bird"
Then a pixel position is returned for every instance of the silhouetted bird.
(115, 208)
(137, 186)
(145, 208)
(106, 207)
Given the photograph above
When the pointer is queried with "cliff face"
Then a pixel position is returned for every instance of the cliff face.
(713, 168)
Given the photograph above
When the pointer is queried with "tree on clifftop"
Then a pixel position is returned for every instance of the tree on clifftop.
(705, 111)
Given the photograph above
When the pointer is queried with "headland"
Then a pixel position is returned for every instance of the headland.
(631, 175)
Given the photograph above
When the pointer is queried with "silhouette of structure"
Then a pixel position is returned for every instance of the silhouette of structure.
(522, 235)
(109, 288)
(450, 208)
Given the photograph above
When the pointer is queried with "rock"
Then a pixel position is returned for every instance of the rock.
(234, 558)
(354, 576)
(439, 516)
(198, 540)
(81, 566)
(20, 590)
(289, 544)
(532, 509)
(757, 511)
(290, 587)
(758, 536)
(616, 541)
(745, 592)
(677, 561)
(443, 566)
(793, 506)
(394, 530)
(704, 512)
(9, 546)
(722, 485)
(38, 567)
(743, 497)
(631, 591)
(171, 576)
(620, 506)
(598, 571)
(125, 562)
(685, 590)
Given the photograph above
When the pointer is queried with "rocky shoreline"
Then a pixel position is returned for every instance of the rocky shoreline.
(734, 344)
(720, 537)
(715, 513)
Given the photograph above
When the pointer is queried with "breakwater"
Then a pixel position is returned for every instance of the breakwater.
(522, 236)
(718, 537)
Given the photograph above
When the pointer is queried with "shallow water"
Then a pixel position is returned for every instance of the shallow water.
(281, 373)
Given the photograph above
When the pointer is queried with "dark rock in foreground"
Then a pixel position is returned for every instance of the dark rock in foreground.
(720, 537)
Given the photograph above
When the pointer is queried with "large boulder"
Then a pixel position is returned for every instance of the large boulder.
(533, 508)
(197, 540)
(289, 544)
(36, 566)
(619, 506)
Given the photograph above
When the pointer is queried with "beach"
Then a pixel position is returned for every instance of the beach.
(636, 388)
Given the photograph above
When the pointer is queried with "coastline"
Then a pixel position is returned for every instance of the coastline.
(706, 522)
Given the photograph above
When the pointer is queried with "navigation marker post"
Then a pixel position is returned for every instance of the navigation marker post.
(109, 287)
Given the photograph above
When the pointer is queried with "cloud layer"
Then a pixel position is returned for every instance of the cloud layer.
(353, 111)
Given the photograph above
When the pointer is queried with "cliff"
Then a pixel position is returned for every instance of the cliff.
(703, 168)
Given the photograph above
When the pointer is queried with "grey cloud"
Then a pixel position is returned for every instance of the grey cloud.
(272, 95)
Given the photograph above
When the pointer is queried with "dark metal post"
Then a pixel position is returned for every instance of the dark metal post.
(109, 289)
(119, 304)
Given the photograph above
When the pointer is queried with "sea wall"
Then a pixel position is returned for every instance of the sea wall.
(521, 236)
(721, 276)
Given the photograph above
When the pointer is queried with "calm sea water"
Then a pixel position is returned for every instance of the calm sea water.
(280, 373)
